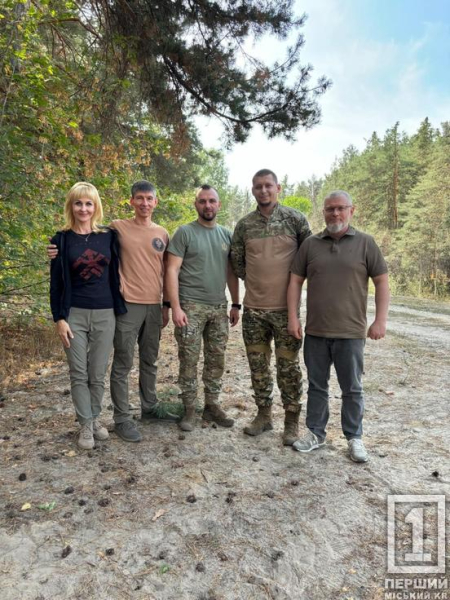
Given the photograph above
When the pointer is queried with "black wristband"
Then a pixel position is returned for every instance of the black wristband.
(166, 303)
(238, 306)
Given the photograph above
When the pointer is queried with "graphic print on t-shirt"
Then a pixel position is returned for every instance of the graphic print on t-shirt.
(158, 245)
(92, 264)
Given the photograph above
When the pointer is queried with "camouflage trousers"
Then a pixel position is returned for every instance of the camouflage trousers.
(209, 323)
(259, 327)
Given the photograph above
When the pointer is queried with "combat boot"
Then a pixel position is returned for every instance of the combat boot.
(262, 421)
(291, 417)
(213, 412)
(187, 423)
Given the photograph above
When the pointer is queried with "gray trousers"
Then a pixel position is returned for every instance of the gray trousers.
(142, 322)
(347, 355)
(88, 356)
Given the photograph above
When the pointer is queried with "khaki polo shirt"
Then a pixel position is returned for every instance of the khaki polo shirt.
(338, 272)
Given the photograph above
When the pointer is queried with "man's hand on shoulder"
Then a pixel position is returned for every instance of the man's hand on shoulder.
(294, 328)
(377, 330)
(179, 317)
(52, 251)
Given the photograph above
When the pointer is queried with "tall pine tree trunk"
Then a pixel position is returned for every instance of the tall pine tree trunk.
(394, 206)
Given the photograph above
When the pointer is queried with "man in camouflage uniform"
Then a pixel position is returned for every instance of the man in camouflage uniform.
(198, 270)
(263, 247)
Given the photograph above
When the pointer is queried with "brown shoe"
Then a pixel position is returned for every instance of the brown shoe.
(213, 412)
(187, 423)
(291, 418)
(262, 422)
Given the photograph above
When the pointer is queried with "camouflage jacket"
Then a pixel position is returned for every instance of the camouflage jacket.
(262, 251)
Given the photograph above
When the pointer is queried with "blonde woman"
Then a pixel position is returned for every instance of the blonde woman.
(84, 298)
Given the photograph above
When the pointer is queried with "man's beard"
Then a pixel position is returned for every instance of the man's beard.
(336, 227)
(208, 216)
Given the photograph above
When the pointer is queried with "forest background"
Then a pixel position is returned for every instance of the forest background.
(96, 91)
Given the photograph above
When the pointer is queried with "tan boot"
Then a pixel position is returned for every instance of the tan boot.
(213, 412)
(187, 423)
(262, 421)
(291, 418)
(86, 437)
(100, 432)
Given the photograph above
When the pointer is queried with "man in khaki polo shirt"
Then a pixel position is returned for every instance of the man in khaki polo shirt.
(338, 264)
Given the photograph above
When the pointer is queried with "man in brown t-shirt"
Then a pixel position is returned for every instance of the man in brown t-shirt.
(337, 263)
(142, 248)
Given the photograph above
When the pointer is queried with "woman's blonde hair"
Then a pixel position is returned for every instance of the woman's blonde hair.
(82, 189)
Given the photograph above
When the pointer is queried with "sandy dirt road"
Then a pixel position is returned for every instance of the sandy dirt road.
(216, 515)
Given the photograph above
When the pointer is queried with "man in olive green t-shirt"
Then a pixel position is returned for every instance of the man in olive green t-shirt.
(198, 270)
(338, 264)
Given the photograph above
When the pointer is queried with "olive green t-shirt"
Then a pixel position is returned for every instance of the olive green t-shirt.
(338, 272)
(205, 251)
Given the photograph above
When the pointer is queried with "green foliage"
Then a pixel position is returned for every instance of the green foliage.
(50, 136)
(240, 203)
(168, 410)
(189, 57)
(103, 91)
(423, 250)
(399, 186)
(66, 115)
(303, 205)
(174, 210)
(164, 568)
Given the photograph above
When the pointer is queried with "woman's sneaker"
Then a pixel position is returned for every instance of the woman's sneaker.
(86, 437)
(100, 432)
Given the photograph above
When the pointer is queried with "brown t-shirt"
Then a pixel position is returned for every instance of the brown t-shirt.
(338, 272)
(141, 260)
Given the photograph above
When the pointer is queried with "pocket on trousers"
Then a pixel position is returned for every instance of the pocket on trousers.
(188, 331)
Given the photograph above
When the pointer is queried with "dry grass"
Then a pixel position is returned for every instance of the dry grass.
(25, 346)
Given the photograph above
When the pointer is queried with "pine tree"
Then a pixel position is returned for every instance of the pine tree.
(424, 242)
(310, 189)
(190, 58)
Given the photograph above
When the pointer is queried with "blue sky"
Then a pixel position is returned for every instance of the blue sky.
(389, 61)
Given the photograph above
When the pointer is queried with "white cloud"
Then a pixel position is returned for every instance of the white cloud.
(375, 83)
